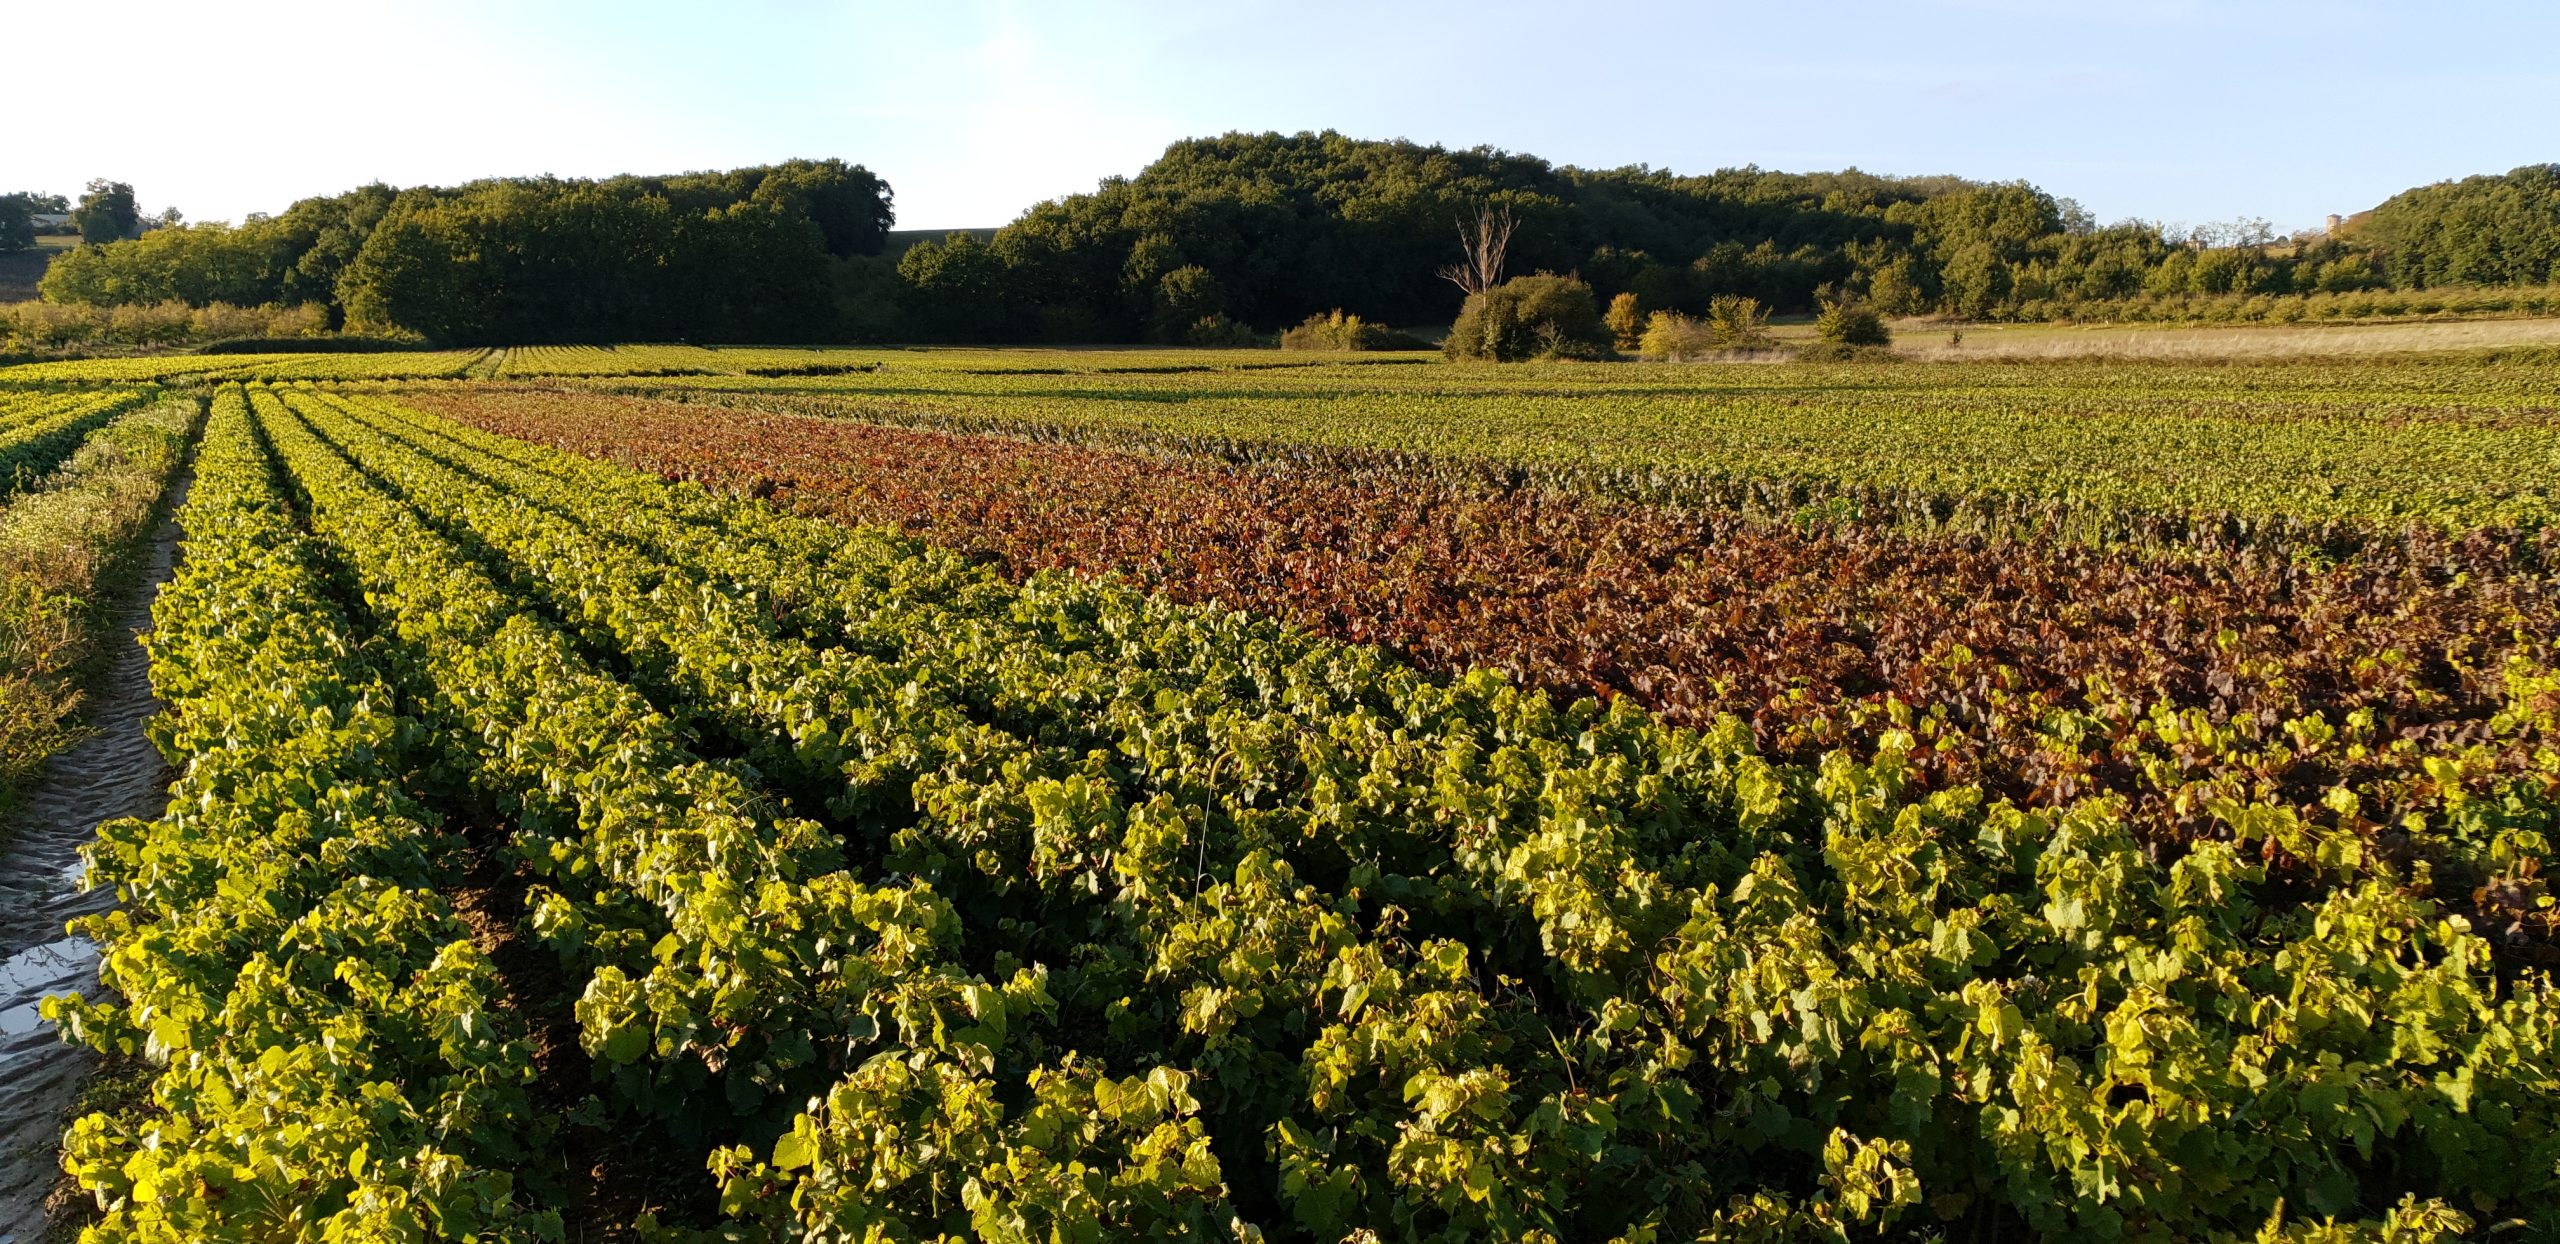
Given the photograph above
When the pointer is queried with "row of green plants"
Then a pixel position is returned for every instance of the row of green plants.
(218, 366)
(734, 968)
(164, 368)
(38, 430)
(546, 362)
(1058, 906)
(332, 1056)
(66, 545)
(2225, 453)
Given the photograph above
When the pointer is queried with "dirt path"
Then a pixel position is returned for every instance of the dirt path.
(114, 772)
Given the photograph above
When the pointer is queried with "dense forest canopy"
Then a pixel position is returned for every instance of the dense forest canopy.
(2477, 231)
(1267, 229)
(1224, 236)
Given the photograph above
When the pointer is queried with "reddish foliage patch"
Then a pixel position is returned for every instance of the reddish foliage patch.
(2036, 669)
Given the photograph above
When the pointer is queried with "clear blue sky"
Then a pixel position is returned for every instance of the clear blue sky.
(973, 109)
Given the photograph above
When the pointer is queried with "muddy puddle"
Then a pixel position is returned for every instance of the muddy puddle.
(113, 772)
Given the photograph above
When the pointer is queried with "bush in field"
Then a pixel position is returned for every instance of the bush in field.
(1671, 335)
(1530, 317)
(1216, 331)
(1338, 331)
(1732, 322)
(1325, 332)
(1850, 323)
(1738, 322)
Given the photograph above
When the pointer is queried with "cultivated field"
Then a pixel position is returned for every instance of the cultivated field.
(1080, 795)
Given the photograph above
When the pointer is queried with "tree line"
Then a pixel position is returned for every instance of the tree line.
(1225, 238)
(746, 254)
(1268, 229)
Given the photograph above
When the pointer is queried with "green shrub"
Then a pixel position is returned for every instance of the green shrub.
(1530, 317)
(1896, 288)
(1218, 332)
(1671, 335)
(1851, 324)
(1338, 331)
(2345, 276)
(1739, 323)
(1732, 323)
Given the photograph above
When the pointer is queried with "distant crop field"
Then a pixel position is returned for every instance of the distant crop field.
(2085, 446)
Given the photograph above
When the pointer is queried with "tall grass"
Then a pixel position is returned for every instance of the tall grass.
(64, 549)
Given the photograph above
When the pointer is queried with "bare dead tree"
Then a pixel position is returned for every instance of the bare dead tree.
(1483, 241)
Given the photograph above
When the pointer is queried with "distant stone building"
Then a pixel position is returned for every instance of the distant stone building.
(52, 222)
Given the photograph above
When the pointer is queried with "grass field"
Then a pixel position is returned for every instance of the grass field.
(684, 793)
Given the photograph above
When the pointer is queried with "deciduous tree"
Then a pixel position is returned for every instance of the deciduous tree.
(107, 213)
